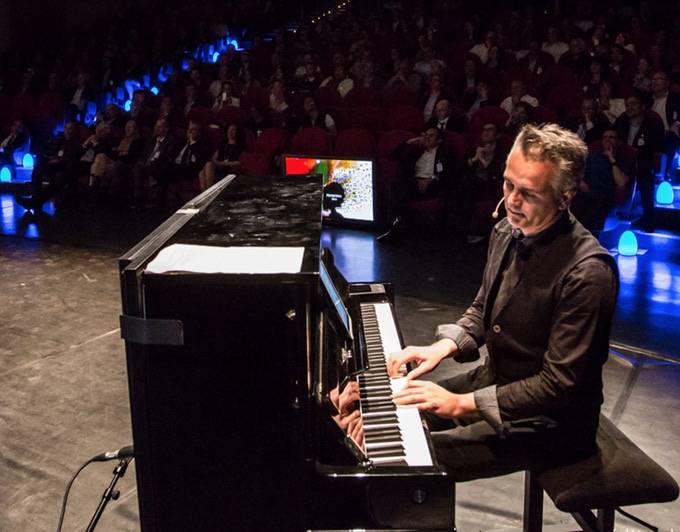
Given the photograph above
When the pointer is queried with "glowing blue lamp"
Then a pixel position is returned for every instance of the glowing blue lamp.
(18, 157)
(211, 49)
(154, 90)
(185, 65)
(5, 174)
(146, 80)
(215, 57)
(120, 94)
(664, 193)
(235, 43)
(628, 245)
(28, 161)
(161, 76)
(128, 105)
(169, 69)
(197, 52)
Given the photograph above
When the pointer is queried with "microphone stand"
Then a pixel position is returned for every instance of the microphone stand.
(109, 494)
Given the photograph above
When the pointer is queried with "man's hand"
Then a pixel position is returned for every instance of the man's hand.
(426, 357)
(431, 397)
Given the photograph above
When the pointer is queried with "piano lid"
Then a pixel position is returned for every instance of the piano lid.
(263, 211)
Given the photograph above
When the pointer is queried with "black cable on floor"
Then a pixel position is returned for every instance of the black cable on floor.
(68, 488)
(637, 520)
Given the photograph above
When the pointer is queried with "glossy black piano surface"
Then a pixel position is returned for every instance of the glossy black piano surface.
(231, 425)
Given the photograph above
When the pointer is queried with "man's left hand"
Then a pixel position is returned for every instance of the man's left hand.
(431, 397)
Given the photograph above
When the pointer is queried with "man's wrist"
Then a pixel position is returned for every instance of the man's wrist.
(445, 347)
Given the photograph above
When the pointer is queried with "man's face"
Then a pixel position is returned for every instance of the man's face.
(659, 82)
(309, 105)
(442, 109)
(488, 134)
(517, 88)
(161, 128)
(529, 199)
(633, 107)
(609, 140)
(430, 138)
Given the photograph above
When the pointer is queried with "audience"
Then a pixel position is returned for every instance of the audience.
(451, 59)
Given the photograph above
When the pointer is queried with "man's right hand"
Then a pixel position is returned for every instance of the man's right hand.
(426, 358)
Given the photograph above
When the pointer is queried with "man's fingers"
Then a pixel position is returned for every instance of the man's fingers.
(418, 371)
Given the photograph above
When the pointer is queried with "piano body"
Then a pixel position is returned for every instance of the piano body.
(232, 375)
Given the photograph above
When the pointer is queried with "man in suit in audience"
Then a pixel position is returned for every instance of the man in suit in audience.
(447, 118)
(425, 170)
(155, 160)
(544, 313)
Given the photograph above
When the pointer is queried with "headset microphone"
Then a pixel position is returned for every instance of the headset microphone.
(494, 214)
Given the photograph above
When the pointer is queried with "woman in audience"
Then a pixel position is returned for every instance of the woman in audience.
(225, 160)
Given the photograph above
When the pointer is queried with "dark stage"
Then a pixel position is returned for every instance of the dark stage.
(64, 382)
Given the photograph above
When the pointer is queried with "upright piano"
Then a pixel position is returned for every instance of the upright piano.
(258, 390)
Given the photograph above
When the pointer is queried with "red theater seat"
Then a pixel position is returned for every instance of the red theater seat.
(355, 143)
(391, 139)
(489, 113)
(362, 96)
(368, 117)
(200, 115)
(407, 117)
(311, 141)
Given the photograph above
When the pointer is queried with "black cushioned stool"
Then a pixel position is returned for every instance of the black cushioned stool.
(620, 474)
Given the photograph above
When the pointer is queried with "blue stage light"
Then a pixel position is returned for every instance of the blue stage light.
(5, 174)
(18, 157)
(628, 245)
(161, 76)
(120, 94)
(235, 43)
(215, 57)
(146, 81)
(664, 193)
(154, 90)
(185, 65)
(128, 105)
(28, 161)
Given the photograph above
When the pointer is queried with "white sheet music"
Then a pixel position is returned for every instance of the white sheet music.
(237, 259)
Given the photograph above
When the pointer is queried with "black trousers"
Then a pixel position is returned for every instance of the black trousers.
(476, 450)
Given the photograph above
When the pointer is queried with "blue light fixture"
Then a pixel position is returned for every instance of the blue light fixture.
(28, 161)
(146, 81)
(185, 65)
(161, 76)
(5, 174)
(235, 43)
(128, 105)
(215, 57)
(18, 157)
(154, 90)
(120, 94)
(628, 245)
(664, 193)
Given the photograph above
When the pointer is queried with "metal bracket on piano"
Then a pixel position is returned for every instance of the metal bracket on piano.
(151, 331)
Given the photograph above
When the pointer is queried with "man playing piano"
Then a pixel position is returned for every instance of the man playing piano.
(544, 312)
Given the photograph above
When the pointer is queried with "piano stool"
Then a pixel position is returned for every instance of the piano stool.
(620, 474)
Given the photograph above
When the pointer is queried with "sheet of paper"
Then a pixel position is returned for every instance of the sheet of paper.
(215, 259)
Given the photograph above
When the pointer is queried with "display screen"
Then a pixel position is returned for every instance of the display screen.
(348, 193)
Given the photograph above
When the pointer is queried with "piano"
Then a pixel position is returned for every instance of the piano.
(247, 351)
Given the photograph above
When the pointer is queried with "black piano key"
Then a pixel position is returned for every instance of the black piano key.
(397, 450)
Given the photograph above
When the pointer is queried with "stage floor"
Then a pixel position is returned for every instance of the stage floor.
(64, 381)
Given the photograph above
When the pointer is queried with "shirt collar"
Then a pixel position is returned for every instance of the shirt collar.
(539, 242)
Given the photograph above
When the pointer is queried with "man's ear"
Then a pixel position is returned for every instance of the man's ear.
(566, 200)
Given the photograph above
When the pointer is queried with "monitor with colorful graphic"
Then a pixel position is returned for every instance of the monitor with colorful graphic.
(349, 185)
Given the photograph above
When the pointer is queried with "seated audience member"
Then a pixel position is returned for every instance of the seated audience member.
(611, 107)
(190, 98)
(553, 45)
(590, 123)
(189, 161)
(521, 115)
(99, 143)
(141, 111)
(111, 171)
(225, 160)
(170, 112)
(54, 168)
(642, 78)
(314, 117)
(404, 78)
(427, 64)
(425, 170)
(278, 106)
(434, 93)
(367, 77)
(340, 81)
(518, 93)
(481, 97)
(216, 86)
(447, 118)
(155, 160)
(481, 50)
(17, 139)
(535, 60)
(226, 98)
(643, 131)
(77, 105)
(606, 170)
(667, 105)
(482, 178)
